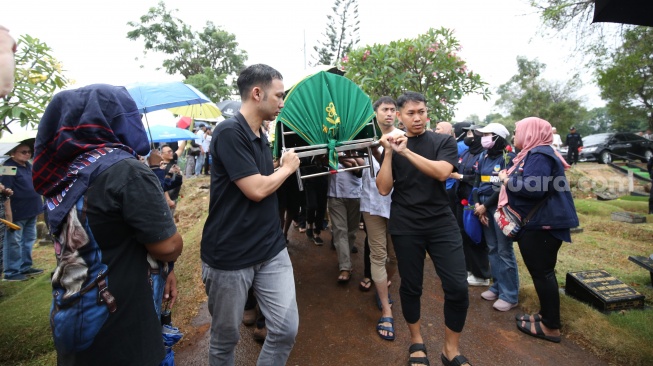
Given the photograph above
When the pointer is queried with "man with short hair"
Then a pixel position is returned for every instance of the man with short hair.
(414, 169)
(376, 211)
(201, 135)
(242, 242)
(573, 142)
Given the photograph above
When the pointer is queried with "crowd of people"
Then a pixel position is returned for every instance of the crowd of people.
(98, 194)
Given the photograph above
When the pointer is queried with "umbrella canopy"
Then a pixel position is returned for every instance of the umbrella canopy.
(151, 97)
(160, 133)
(229, 107)
(637, 12)
(204, 110)
(326, 108)
(184, 122)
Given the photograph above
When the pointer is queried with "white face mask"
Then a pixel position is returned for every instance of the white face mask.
(487, 142)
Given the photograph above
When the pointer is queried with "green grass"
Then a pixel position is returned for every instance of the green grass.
(622, 338)
(24, 313)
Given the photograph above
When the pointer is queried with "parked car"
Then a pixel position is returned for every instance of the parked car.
(606, 147)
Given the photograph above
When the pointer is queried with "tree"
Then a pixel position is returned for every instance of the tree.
(527, 94)
(341, 33)
(191, 53)
(428, 64)
(596, 120)
(626, 81)
(573, 18)
(38, 76)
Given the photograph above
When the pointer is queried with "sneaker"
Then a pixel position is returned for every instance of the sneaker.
(318, 241)
(33, 272)
(260, 334)
(249, 317)
(15, 278)
(502, 305)
(477, 281)
(309, 232)
(489, 295)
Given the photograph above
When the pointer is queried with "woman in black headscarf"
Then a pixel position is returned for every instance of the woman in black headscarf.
(476, 254)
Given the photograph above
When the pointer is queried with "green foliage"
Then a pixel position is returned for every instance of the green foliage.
(597, 120)
(626, 81)
(341, 33)
(527, 94)
(428, 64)
(38, 76)
(191, 53)
(212, 84)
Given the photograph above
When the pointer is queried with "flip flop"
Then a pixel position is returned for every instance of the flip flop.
(344, 276)
(365, 285)
(539, 333)
(527, 318)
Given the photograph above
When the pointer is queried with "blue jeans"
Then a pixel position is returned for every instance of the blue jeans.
(18, 247)
(274, 288)
(199, 163)
(503, 263)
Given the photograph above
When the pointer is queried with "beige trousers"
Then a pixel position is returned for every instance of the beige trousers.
(383, 262)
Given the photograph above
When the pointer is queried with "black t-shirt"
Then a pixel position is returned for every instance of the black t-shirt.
(420, 204)
(239, 232)
(126, 209)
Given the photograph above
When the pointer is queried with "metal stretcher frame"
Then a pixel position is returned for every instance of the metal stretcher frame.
(321, 149)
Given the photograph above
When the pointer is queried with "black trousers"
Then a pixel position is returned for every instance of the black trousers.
(539, 249)
(446, 251)
(316, 202)
(572, 155)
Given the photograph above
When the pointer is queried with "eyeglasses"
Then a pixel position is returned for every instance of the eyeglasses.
(25, 152)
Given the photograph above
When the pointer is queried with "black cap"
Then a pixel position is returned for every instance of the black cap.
(572, 128)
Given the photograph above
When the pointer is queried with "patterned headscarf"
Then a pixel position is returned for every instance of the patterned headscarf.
(82, 133)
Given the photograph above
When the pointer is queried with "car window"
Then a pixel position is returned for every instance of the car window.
(619, 137)
(596, 139)
(633, 137)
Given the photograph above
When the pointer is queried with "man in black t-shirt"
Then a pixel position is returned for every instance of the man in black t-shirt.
(573, 142)
(416, 165)
(242, 242)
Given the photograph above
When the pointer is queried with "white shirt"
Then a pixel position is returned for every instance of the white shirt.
(371, 200)
(344, 185)
(557, 141)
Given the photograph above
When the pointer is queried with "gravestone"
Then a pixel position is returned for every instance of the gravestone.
(602, 291)
(630, 217)
(644, 262)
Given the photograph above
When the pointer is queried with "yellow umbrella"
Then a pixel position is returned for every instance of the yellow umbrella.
(202, 111)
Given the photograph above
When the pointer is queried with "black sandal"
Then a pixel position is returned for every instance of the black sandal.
(417, 347)
(459, 360)
(527, 318)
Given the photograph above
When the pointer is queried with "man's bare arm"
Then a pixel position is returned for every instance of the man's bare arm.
(167, 250)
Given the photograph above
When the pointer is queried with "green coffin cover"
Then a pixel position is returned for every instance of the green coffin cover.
(326, 108)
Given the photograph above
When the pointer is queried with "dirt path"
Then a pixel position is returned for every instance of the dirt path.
(337, 323)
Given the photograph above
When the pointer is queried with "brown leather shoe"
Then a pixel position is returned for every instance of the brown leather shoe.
(249, 317)
(260, 334)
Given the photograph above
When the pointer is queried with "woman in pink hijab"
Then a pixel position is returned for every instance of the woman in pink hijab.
(538, 176)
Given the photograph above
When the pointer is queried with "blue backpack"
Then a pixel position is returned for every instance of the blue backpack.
(81, 300)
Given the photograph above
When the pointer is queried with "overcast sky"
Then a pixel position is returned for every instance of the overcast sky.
(89, 37)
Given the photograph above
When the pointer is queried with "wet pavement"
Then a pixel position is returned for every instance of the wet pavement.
(337, 323)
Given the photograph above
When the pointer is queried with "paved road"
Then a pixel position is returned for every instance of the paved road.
(337, 323)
